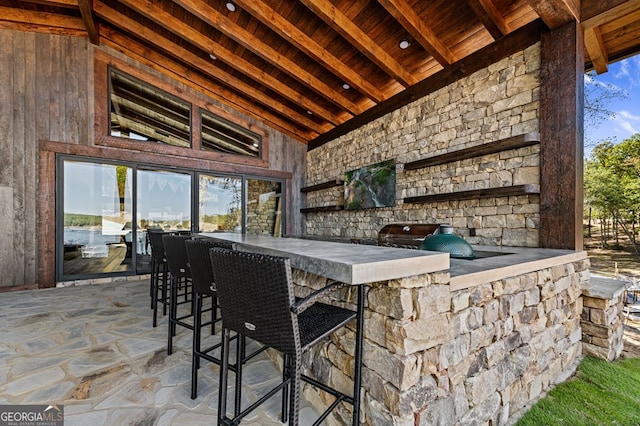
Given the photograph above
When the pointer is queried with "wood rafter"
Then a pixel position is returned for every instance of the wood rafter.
(178, 72)
(284, 63)
(595, 47)
(350, 31)
(419, 30)
(86, 10)
(212, 71)
(269, 54)
(31, 17)
(490, 17)
(237, 62)
(556, 13)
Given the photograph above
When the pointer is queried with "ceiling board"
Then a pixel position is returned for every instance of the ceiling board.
(285, 62)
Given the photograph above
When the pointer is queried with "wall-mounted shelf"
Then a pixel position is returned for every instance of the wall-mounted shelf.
(504, 191)
(323, 185)
(318, 187)
(322, 209)
(514, 142)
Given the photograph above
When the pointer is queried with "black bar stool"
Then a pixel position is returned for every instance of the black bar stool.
(180, 284)
(159, 274)
(255, 295)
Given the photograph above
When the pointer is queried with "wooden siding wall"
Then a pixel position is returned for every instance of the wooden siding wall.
(47, 94)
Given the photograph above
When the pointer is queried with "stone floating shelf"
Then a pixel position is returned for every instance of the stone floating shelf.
(514, 142)
(504, 191)
(322, 209)
(323, 185)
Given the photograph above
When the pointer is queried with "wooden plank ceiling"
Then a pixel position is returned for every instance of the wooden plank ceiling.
(309, 68)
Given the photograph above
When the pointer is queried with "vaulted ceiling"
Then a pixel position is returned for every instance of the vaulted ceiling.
(312, 68)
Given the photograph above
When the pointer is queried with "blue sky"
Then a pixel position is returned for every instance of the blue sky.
(625, 77)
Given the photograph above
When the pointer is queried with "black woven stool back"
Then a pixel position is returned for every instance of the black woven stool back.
(255, 296)
(176, 251)
(200, 263)
(157, 246)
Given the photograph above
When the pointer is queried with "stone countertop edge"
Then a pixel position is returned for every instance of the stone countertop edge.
(515, 261)
(347, 263)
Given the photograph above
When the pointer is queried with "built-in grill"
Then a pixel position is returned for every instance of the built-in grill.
(407, 235)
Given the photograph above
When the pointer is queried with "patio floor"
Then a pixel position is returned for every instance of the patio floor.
(93, 350)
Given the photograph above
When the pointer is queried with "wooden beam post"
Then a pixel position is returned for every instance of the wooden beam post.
(561, 138)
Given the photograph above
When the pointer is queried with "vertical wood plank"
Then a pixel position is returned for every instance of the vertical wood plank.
(55, 92)
(6, 107)
(43, 75)
(6, 157)
(31, 163)
(561, 138)
(19, 169)
(46, 223)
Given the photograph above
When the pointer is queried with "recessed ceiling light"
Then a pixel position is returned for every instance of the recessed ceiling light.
(404, 43)
(345, 86)
(213, 57)
(309, 112)
(231, 7)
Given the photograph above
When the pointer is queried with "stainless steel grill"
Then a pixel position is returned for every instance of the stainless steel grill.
(408, 235)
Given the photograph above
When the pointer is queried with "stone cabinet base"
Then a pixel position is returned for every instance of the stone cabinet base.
(476, 355)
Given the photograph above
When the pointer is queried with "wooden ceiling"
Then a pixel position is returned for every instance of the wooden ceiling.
(313, 68)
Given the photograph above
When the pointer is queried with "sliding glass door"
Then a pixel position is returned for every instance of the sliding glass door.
(96, 218)
(104, 212)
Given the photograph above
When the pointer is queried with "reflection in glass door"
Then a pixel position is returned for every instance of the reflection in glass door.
(219, 204)
(97, 212)
(163, 202)
(264, 207)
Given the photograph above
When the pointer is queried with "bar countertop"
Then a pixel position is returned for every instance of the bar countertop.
(347, 263)
(361, 263)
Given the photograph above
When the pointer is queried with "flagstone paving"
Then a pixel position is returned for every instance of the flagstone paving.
(93, 349)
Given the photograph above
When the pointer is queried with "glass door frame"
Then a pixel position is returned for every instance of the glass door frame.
(136, 166)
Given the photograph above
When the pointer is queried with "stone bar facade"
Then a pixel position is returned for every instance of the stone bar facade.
(498, 102)
(479, 355)
(603, 318)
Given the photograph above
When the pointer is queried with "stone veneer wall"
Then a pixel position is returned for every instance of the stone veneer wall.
(481, 355)
(498, 102)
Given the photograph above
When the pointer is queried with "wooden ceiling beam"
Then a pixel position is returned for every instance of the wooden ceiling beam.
(155, 60)
(556, 13)
(236, 62)
(419, 30)
(70, 4)
(340, 23)
(595, 47)
(207, 69)
(86, 11)
(253, 44)
(626, 12)
(44, 19)
(490, 17)
(280, 25)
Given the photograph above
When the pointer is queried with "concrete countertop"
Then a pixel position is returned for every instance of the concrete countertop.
(347, 263)
(361, 263)
(495, 263)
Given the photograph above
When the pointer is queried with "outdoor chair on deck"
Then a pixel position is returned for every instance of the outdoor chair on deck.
(159, 274)
(255, 295)
(180, 284)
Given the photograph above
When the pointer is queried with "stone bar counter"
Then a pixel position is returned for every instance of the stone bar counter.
(446, 341)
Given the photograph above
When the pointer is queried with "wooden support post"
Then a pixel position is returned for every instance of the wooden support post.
(561, 138)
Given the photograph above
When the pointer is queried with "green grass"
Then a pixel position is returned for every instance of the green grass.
(601, 393)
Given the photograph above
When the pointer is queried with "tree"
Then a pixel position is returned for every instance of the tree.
(597, 97)
(612, 184)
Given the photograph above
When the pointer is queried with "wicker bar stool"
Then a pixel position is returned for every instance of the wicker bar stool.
(159, 274)
(203, 287)
(255, 295)
(180, 284)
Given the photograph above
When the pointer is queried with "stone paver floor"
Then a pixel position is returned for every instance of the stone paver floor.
(93, 350)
